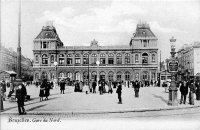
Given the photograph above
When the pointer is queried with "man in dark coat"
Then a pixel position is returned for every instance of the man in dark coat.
(3, 85)
(119, 92)
(62, 87)
(1, 98)
(47, 90)
(184, 92)
(94, 84)
(197, 87)
(136, 88)
(20, 96)
(101, 87)
(191, 93)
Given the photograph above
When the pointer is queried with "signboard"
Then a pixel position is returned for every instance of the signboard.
(173, 66)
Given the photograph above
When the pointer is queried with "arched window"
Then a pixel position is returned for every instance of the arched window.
(145, 75)
(136, 76)
(61, 59)
(119, 76)
(119, 58)
(110, 76)
(102, 59)
(127, 76)
(153, 57)
(136, 58)
(127, 58)
(52, 58)
(85, 59)
(78, 76)
(69, 75)
(144, 58)
(110, 58)
(69, 59)
(61, 75)
(44, 59)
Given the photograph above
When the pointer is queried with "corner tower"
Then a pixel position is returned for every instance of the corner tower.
(143, 37)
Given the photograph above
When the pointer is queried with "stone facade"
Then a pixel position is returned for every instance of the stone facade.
(136, 61)
(189, 59)
(9, 63)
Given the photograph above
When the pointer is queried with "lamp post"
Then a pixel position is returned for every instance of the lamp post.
(173, 68)
(97, 62)
(19, 44)
(55, 64)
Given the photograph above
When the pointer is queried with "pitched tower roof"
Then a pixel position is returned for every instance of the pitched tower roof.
(48, 32)
(143, 31)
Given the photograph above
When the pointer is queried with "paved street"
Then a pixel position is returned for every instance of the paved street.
(79, 110)
(151, 98)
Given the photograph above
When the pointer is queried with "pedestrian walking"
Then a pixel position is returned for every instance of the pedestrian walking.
(62, 87)
(184, 92)
(94, 84)
(2, 108)
(197, 87)
(42, 89)
(11, 90)
(81, 86)
(191, 93)
(3, 85)
(47, 90)
(76, 86)
(137, 88)
(119, 92)
(101, 87)
(110, 87)
(20, 96)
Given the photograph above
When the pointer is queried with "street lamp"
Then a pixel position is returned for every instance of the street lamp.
(55, 64)
(97, 62)
(173, 69)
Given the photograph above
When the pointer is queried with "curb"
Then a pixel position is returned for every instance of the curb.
(103, 111)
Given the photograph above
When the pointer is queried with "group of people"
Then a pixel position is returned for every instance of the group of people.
(44, 90)
(20, 93)
(190, 87)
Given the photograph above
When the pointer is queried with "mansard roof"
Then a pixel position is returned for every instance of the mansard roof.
(48, 32)
(143, 31)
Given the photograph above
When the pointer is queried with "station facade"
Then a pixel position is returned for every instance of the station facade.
(138, 60)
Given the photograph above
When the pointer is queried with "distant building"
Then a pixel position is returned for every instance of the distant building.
(9, 63)
(189, 60)
(137, 60)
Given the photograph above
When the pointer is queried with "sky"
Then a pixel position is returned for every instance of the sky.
(109, 22)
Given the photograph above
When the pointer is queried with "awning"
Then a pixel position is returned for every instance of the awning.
(198, 74)
(11, 72)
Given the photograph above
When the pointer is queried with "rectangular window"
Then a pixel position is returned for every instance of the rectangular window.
(85, 60)
(127, 60)
(61, 61)
(93, 60)
(127, 77)
(110, 60)
(119, 60)
(77, 61)
(69, 61)
(153, 76)
(102, 61)
(118, 77)
(145, 43)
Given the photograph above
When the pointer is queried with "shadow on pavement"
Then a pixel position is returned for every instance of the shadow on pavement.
(39, 97)
(33, 108)
(30, 103)
(164, 100)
